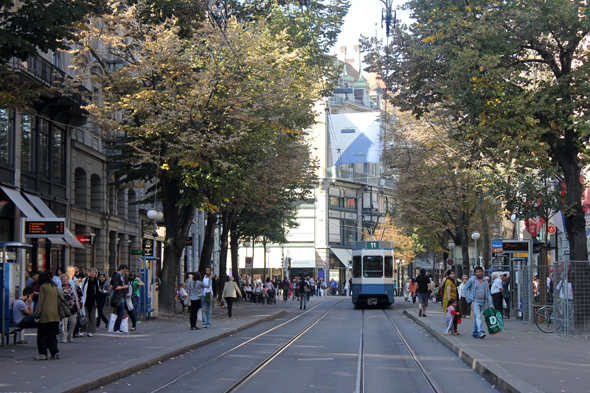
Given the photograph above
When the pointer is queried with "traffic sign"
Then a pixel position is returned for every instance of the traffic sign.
(248, 262)
(326, 264)
(450, 262)
(551, 229)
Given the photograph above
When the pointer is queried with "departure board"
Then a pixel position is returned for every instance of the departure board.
(42, 228)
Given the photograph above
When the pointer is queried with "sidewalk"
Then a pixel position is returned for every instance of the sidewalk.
(520, 359)
(89, 363)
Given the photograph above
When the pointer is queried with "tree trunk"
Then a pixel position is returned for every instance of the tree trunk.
(208, 243)
(465, 251)
(226, 218)
(486, 233)
(234, 245)
(177, 220)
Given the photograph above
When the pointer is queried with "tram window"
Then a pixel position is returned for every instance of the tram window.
(372, 266)
(388, 266)
(356, 267)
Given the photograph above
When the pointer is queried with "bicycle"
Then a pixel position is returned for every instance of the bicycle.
(546, 318)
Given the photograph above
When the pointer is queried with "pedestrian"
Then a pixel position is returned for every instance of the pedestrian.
(248, 291)
(57, 278)
(104, 289)
(333, 286)
(36, 285)
(47, 318)
(257, 291)
(135, 293)
(68, 324)
(304, 289)
(451, 315)
(28, 279)
(465, 307)
(129, 301)
(350, 287)
(496, 291)
(423, 285)
(120, 290)
(230, 293)
(196, 289)
(477, 293)
(90, 290)
(22, 310)
(183, 295)
(346, 288)
(412, 290)
(506, 295)
(286, 288)
(295, 289)
(207, 305)
(450, 292)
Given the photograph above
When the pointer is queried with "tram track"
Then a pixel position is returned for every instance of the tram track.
(260, 365)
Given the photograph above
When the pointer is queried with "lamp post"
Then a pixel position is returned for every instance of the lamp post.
(475, 236)
(155, 215)
(515, 220)
(388, 16)
(397, 265)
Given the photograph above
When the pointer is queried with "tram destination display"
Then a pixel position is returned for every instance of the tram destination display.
(45, 228)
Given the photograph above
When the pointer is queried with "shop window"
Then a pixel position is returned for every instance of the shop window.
(6, 136)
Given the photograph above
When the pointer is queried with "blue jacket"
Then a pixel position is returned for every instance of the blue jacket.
(469, 291)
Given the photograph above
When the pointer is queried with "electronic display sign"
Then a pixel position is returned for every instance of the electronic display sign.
(45, 228)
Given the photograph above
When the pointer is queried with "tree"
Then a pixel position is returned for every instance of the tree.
(515, 76)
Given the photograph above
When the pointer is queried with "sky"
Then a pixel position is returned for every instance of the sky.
(361, 19)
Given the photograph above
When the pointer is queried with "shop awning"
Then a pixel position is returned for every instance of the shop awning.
(25, 208)
(47, 213)
(344, 255)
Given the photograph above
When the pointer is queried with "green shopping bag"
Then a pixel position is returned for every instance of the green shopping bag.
(493, 320)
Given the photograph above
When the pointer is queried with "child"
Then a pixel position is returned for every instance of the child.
(450, 315)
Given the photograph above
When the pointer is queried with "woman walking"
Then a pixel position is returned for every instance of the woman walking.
(195, 293)
(104, 289)
(129, 302)
(463, 305)
(47, 317)
(450, 292)
(230, 293)
(90, 291)
(69, 323)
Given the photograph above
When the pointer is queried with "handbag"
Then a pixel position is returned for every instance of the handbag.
(81, 321)
(63, 306)
(115, 300)
(494, 320)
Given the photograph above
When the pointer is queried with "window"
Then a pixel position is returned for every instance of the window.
(351, 203)
(372, 266)
(28, 141)
(356, 267)
(366, 168)
(6, 136)
(43, 148)
(388, 266)
(334, 201)
(58, 155)
(348, 131)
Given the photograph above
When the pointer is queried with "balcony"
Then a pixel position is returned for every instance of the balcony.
(364, 178)
(60, 108)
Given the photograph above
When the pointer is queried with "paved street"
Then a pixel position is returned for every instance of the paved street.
(327, 356)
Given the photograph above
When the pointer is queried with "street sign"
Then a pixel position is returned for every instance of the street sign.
(248, 262)
(45, 228)
(137, 252)
(551, 229)
(513, 245)
(450, 262)
(497, 246)
(500, 255)
(326, 264)
(372, 244)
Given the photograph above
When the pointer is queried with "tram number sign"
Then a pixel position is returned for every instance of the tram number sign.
(450, 262)
(45, 228)
(551, 229)
(372, 244)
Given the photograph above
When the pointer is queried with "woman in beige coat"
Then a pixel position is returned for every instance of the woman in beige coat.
(230, 292)
(47, 316)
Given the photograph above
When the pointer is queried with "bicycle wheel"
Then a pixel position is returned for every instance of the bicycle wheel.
(544, 319)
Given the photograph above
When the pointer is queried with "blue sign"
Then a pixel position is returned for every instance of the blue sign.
(496, 243)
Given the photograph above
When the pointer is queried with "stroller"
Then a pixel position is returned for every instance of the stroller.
(271, 297)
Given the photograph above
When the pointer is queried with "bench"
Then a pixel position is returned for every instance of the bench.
(14, 330)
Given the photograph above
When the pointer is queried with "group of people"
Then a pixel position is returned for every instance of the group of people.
(459, 299)
(63, 305)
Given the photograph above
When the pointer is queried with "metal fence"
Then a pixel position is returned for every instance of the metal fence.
(559, 293)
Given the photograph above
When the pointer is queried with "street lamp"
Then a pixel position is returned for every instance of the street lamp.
(515, 220)
(388, 16)
(155, 215)
(475, 236)
(266, 253)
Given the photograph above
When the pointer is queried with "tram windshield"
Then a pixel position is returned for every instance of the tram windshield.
(372, 266)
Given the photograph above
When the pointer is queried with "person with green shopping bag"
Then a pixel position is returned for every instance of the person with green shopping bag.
(477, 292)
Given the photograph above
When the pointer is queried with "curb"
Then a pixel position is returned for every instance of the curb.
(491, 371)
(126, 371)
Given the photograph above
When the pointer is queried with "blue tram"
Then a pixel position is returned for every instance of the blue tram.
(372, 273)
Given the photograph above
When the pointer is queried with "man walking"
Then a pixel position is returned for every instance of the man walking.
(477, 292)
(423, 285)
(207, 303)
(120, 291)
